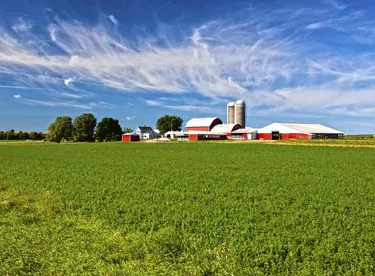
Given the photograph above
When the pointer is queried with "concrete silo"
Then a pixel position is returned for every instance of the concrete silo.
(240, 111)
(230, 112)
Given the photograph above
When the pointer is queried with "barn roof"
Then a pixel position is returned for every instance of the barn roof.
(201, 122)
(244, 130)
(225, 128)
(299, 128)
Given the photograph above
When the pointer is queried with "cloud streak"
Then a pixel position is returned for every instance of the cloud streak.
(268, 62)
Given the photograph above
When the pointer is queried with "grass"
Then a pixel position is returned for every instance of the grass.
(186, 209)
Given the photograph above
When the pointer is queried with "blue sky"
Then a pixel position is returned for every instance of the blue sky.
(136, 60)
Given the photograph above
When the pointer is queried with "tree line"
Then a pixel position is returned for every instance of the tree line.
(84, 128)
(12, 135)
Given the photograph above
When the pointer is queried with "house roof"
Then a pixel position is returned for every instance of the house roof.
(145, 129)
(201, 122)
(224, 128)
(244, 130)
(299, 128)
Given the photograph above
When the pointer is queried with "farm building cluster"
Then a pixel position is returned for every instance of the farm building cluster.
(213, 128)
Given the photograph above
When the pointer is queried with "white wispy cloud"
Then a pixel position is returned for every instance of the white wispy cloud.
(336, 4)
(113, 19)
(21, 25)
(130, 118)
(250, 55)
(17, 96)
(70, 104)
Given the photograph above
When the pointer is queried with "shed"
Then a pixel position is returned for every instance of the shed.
(130, 137)
(246, 133)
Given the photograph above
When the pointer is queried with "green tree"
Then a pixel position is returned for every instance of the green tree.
(23, 135)
(36, 136)
(61, 128)
(108, 129)
(168, 122)
(84, 127)
(12, 134)
(127, 130)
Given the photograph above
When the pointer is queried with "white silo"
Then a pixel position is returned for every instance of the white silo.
(230, 112)
(240, 111)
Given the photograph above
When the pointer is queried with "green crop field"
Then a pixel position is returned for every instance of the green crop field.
(186, 209)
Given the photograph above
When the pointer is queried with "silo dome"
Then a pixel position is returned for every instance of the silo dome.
(231, 104)
(240, 102)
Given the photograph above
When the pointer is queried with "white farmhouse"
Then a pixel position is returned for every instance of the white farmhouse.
(146, 132)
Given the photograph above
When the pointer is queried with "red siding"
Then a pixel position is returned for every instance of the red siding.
(265, 136)
(193, 137)
(285, 136)
(130, 138)
(296, 136)
(244, 136)
(198, 128)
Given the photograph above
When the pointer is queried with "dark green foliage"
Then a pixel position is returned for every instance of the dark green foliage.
(168, 122)
(108, 129)
(36, 136)
(21, 135)
(61, 128)
(207, 209)
(127, 130)
(84, 127)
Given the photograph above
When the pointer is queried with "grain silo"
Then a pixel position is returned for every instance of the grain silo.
(230, 113)
(240, 113)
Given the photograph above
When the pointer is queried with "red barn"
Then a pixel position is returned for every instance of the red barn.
(202, 124)
(130, 137)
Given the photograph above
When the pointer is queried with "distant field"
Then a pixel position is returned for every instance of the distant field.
(186, 209)
(331, 142)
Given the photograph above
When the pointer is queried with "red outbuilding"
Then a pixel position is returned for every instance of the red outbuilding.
(130, 137)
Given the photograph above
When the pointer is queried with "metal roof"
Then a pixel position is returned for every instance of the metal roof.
(299, 128)
(145, 129)
(244, 130)
(201, 122)
(226, 128)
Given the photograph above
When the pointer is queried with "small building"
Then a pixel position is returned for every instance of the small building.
(202, 124)
(177, 135)
(130, 137)
(246, 133)
(146, 132)
(225, 128)
(285, 131)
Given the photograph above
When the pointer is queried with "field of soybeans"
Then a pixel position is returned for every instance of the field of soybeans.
(186, 209)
